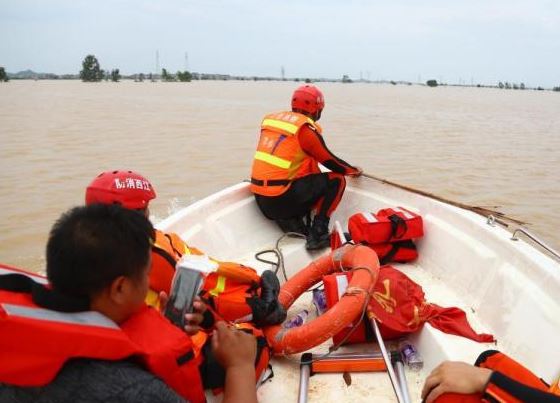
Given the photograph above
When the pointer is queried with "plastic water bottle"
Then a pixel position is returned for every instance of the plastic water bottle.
(410, 355)
(297, 320)
(319, 301)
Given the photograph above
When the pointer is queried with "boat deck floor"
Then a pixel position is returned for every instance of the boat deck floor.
(432, 344)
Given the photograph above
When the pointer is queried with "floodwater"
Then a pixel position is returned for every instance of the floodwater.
(474, 145)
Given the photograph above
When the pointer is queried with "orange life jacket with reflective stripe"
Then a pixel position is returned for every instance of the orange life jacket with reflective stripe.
(229, 289)
(37, 342)
(279, 158)
(166, 251)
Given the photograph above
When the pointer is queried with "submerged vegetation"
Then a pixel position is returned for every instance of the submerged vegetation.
(3, 75)
(92, 72)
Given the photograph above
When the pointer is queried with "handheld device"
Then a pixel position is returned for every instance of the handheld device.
(189, 276)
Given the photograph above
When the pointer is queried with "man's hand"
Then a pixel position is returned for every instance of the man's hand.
(359, 171)
(192, 320)
(455, 377)
(236, 351)
(233, 348)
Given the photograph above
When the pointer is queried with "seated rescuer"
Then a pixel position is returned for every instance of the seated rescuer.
(90, 337)
(231, 299)
(495, 377)
(286, 178)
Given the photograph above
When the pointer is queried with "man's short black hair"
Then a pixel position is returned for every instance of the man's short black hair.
(90, 246)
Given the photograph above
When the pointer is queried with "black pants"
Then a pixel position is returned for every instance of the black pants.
(322, 191)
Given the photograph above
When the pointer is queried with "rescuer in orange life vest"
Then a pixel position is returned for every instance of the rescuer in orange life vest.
(495, 377)
(88, 335)
(286, 178)
(230, 297)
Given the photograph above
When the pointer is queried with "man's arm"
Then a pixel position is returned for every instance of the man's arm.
(236, 350)
(314, 145)
(460, 377)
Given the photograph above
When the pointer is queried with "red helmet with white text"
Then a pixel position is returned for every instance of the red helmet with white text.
(127, 188)
(308, 98)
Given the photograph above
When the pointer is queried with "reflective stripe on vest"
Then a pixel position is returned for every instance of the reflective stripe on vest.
(37, 342)
(279, 156)
(272, 160)
(280, 124)
(287, 127)
(220, 286)
(89, 318)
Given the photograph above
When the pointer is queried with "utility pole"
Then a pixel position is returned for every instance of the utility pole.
(157, 62)
(186, 61)
(283, 73)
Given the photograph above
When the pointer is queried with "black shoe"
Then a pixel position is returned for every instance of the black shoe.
(319, 236)
(294, 224)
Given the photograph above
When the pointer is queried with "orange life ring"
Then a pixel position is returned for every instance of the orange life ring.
(349, 307)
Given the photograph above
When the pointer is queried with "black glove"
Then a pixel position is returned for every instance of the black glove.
(266, 308)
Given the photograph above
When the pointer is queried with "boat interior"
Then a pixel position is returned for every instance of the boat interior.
(507, 288)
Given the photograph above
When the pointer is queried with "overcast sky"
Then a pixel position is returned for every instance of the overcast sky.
(480, 40)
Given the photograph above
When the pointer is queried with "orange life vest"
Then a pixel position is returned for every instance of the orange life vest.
(37, 342)
(507, 366)
(279, 158)
(229, 289)
(166, 251)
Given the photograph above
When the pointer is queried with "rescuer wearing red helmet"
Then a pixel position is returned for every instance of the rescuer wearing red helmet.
(286, 178)
(259, 292)
(134, 192)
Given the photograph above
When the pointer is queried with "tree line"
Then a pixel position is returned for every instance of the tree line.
(92, 72)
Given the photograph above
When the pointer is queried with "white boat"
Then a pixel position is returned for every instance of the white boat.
(508, 288)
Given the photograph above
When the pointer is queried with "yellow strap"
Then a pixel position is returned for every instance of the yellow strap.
(272, 160)
(220, 286)
(187, 250)
(152, 299)
(279, 124)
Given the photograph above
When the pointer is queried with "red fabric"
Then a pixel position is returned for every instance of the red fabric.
(399, 305)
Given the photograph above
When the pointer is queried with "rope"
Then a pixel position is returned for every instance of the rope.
(279, 264)
(480, 210)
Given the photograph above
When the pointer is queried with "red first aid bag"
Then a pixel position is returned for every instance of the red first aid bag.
(388, 225)
(400, 251)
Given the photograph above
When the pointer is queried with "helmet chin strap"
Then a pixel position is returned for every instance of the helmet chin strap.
(317, 115)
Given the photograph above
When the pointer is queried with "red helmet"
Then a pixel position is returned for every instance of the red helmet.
(126, 188)
(308, 98)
